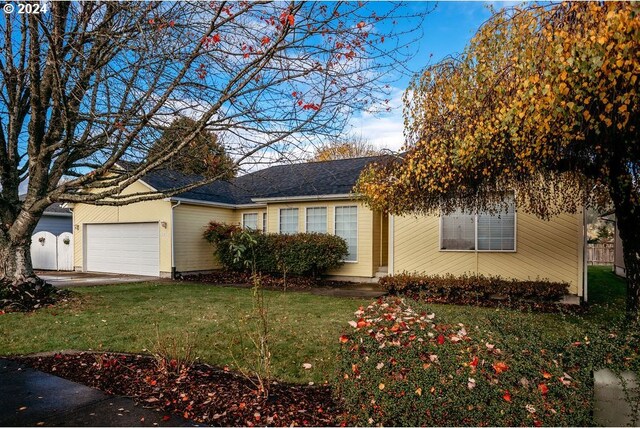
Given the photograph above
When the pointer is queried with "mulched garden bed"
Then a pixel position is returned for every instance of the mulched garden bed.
(200, 393)
(504, 302)
(268, 281)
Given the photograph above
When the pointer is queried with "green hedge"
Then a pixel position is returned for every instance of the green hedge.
(303, 254)
(400, 366)
(465, 288)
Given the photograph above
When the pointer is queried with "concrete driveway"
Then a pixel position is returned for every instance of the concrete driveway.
(80, 279)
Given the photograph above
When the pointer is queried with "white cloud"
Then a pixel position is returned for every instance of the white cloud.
(384, 130)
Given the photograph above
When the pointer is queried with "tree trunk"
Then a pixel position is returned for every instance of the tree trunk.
(15, 262)
(627, 210)
(20, 288)
(629, 229)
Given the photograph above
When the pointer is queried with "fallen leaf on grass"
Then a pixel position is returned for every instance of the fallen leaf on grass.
(306, 366)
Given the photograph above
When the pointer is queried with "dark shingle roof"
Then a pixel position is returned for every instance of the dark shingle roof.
(336, 177)
(56, 208)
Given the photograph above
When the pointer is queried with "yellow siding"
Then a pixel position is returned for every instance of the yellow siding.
(550, 250)
(148, 211)
(192, 252)
(364, 267)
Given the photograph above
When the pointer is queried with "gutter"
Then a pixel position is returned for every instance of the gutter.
(214, 204)
(173, 261)
(341, 196)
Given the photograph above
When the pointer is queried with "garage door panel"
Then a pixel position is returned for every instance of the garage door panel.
(131, 248)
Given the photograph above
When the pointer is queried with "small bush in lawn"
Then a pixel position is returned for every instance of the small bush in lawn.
(469, 288)
(407, 367)
(303, 254)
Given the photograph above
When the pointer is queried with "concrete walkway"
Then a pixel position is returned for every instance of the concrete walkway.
(79, 279)
(32, 398)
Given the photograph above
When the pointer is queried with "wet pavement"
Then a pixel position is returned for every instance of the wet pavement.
(32, 398)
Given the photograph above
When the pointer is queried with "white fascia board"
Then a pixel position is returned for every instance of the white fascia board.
(344, 196)
(214, 204)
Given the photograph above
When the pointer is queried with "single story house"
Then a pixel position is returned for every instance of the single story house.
(164, 236)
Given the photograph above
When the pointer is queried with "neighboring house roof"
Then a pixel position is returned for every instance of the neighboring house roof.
(57, 208)
(325, 178)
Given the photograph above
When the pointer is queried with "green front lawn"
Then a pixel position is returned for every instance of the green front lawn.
(304, 328)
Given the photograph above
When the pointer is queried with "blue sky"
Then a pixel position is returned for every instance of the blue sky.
(446, 31)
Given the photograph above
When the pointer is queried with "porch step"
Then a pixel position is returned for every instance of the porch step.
(382, 271)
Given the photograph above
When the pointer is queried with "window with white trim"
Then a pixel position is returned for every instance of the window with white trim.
(250, 221)
(479, 232)
(346, 227)
(317, 219)
(288, 220)
(264, 222)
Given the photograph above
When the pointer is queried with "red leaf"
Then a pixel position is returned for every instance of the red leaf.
(265, 40)
(507, 396)
(361, 24)
(537, 423)
(166, 418)
(361, 322)
(544, 390)
(474, 362)
(291, 19)
(441, 340)
(344, 339)
(216, 38)
(500, 367)
(294, 94)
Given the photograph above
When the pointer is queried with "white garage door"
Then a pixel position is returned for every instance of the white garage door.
(132, 248)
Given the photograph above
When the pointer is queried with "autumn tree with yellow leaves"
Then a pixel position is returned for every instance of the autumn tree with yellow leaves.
(350, 147)
(543, 102)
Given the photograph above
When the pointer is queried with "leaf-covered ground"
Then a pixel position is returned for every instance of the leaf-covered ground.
(214, 320)
(201, 393)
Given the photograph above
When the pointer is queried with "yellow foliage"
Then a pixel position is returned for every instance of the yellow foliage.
(533, 93)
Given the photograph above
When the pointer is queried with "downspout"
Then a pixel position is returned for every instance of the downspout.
(381, 261)
(585, 280)
(173, 260)
(390, 254)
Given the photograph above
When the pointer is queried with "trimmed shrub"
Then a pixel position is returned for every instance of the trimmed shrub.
(467, 288)
(302, 254)
(220, 235)
(400, 366)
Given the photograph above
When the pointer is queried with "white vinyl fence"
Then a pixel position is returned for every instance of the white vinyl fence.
(50, 252)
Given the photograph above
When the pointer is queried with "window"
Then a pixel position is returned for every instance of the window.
(497, 232)
(250, 221)
(289, 220)
(264, 222)
(317, 219)
(458, 231)
(347, 228)
(481, 232)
